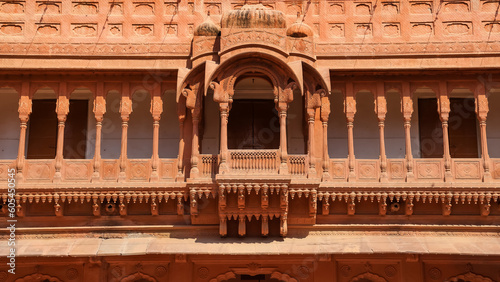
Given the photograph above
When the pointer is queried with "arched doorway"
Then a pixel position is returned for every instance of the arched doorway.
(253, 122)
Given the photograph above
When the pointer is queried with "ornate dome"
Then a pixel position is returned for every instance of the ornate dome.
(207, 28)
(254, 16)
(299, 29)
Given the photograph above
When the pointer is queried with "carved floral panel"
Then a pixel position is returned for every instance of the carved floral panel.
(168, 169)
(338, 169)
(109, 169)
(396, 169)
(77, 170)
(367, 169)
(39, 169)
(429, 169)
(467, 169)
(496, 169)
(139, 170)
(4, 169)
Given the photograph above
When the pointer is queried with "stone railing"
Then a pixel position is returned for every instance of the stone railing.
(297, 164)
(209, 166)
(254, 160)
(82, 170)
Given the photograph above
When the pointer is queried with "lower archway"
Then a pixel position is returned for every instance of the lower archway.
(274, 276)
(38, 277)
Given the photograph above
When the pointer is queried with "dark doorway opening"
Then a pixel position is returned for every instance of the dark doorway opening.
(253, 124)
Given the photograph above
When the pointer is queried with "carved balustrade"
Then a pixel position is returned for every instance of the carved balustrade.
(298, 165)
(209, 166)
(260, 161)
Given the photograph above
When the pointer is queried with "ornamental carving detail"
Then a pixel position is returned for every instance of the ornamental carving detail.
(470, 276)
(253, 36)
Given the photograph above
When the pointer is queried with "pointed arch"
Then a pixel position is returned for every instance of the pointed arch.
(38, 277)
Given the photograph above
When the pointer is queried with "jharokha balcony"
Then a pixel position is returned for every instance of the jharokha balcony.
(135, 146)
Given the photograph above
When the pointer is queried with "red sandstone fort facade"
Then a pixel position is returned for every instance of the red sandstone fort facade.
(218, 140)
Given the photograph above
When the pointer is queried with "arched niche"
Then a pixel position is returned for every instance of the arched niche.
(469, 277)
(271, 276)
(42, 125)
(253, 122)
(366, 132)
(140, 126)
(38, 277)
(111, 126)
(368, 277)
(10, 125)
(79, 130)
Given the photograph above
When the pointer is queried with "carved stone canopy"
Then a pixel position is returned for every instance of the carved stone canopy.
(299, 29)
(207, 28)
(254, 16)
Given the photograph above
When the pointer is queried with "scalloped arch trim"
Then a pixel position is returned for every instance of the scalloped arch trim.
(469, 276)
(138, 275)
(38, 277)
(370, 276)
(275, 275)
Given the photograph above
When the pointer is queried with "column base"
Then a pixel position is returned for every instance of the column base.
(326, 176)
(384, 177)
(57, 177)
(283, 168)
(410, 177)
(155, 177)
(96, 176)
(487, 177)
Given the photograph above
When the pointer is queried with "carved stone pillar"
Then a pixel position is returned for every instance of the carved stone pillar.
(350, 111)
(407, 110)
(193, 103)
(284, 212)
(224, 115)
(313, 103)
(325, 113)
(284, 98)
(24, 113)
(221, 96)
(181, 114)
(125, 111)
(381, 110)
(444, 113)
(62, 111)
(482, 112)
(156, 110)
(310, 142)
(99, 111)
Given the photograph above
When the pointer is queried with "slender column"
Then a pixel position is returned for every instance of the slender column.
(325, 113)
(350, 111)
(125, 111)
(181, 114)
(310, 122)
(62, 111)
(381, 109)
(156, 110)
(224, 115)
(99, 111)
(284, 153)
(195, 152)
(482, 112)
(24, 113)
(407, 109)
(444, 113)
